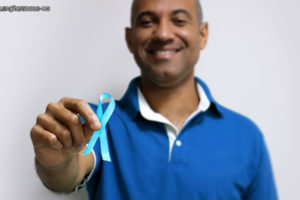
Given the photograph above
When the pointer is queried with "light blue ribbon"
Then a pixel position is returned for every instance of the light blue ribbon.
(101, 134)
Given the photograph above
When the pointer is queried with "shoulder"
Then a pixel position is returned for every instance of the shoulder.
(240, 126)
(237, 119)
(245, 132)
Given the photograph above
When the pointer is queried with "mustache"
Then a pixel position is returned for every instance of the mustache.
(158, 43)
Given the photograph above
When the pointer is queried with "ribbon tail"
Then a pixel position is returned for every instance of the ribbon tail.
(93, 141)
(104, 147)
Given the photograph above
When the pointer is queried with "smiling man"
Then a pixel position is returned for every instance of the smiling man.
(168, 137)
(165, 39)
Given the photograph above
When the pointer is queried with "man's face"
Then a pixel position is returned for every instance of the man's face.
(166, 39)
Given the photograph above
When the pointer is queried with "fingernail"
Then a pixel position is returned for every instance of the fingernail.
(95, 124)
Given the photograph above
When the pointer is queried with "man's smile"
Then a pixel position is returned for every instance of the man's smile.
(164, 53)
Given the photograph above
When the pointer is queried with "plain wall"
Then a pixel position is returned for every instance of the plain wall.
(78, 50)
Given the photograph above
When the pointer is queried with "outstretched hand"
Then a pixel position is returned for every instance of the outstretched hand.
(59, 134)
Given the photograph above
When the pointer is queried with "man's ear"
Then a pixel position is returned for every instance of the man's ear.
(128, 38)
(203, 34)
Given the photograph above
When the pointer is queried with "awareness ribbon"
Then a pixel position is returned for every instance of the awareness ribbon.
(101, 133)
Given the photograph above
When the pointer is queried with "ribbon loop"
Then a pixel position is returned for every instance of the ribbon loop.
(101, 133)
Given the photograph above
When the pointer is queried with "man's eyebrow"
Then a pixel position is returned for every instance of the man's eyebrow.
(175, 12)
(145, 13)
(185, 12)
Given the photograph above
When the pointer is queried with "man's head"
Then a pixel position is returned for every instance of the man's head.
(166, 38)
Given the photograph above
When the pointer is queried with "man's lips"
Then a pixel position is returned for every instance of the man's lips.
(162, 54)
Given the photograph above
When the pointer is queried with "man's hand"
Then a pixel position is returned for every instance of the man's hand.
(58, 136)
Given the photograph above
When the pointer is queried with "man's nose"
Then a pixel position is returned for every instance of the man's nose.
(164, 31)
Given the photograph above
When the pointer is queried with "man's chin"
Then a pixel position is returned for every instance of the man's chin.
(163, 80)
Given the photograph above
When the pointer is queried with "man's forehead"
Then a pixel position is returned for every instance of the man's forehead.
(162, 5)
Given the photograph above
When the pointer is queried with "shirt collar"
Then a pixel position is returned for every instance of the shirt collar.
(149, 114)
(130, 101)
(215, 107)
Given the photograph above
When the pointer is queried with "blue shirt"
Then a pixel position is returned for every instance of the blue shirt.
(223, 156)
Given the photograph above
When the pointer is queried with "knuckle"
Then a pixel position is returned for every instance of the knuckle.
(64, 134)
(64, 99)
(56, 129)
(74, 119)
(33, 129)
(40, 118)
(52, 140)
(79, 103)
(36, 134)
(91, 117)
(33, 132)
(50, 107)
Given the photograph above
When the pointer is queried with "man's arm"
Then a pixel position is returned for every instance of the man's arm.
(263, 184)
(59, 139)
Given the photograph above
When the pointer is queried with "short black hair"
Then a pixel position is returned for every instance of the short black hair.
(199, 12)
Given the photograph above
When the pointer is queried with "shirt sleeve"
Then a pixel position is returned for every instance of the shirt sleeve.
(88, 177)
(263, 185)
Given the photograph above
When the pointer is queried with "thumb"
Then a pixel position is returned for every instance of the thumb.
(88, 131)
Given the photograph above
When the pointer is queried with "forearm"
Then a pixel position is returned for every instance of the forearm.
(62, 178)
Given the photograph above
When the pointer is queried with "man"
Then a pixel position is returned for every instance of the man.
(168, 138)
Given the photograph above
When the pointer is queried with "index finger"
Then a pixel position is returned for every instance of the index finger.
(82, 108)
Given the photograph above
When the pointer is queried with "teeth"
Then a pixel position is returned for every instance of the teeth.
(164, 52)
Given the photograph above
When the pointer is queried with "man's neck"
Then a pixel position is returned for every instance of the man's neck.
(175, 103)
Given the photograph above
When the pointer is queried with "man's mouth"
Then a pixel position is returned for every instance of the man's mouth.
(164, 54)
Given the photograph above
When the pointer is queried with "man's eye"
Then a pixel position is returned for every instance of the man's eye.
(180, 22)
(146, 23)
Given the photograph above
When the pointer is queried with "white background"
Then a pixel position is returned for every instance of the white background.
(78, 50)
